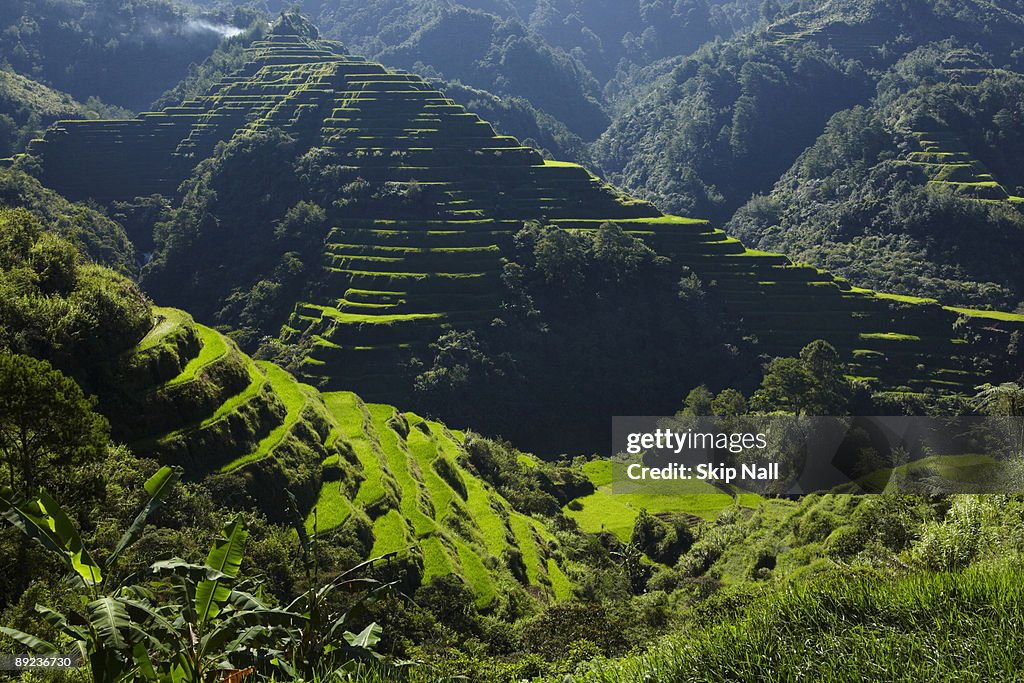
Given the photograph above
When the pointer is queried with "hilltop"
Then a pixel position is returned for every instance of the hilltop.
(729, 120)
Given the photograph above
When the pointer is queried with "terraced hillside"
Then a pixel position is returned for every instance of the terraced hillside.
(947, 161)
(190, 397)
(944, 155)
(391, 282)
(415, 486)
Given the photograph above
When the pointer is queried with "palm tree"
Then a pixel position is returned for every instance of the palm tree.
(1004, 400)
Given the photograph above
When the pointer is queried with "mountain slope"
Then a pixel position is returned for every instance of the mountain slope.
(378, 212)
(187, 396)
(915, 193)
(734, 116)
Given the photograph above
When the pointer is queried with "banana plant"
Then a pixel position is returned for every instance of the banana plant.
(202, 619)
(181, 622)
(324, 642)
(211, 626)
(104, 631)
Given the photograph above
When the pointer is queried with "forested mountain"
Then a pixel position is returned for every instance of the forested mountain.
(123, 53)
(383, 239)
(571, 60)
(728, 121)
(889, 195)
(28, 107)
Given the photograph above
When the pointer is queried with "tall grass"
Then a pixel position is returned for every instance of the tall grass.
(965, 626)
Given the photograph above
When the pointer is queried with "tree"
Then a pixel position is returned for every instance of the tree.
(46, 421)
(663, 541)
(811, 384)
(698, 401)
(729, 403)
(786, 385)
(1006, 403)
(1006, 399)
(831, 391)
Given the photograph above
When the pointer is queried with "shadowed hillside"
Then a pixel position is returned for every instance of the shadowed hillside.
(415, 202)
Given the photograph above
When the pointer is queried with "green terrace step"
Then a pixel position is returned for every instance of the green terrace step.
(371, 296)
(454, 305)
(220, 411)
(406, 258)
(422, 501)
(429, 282)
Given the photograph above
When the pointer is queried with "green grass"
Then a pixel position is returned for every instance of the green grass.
(560, 584)
(291, 393)
(172, 319)
(436, 561)
(389, 534)
(423, 449)
(235, 402)
(371, 319)
(398, 464)
(976, 469)
(889, 336)
(523, 531)
(332, 509)
(992, 315)
(476, 574)
(215, 346)
(347, 410)
(599, 472)
(607, 511)
(902, 298)
(962, 626)
(491, 526)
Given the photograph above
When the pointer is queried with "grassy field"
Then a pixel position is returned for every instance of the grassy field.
(924, 627)
(607, 511)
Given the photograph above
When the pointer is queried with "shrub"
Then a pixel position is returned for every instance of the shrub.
(845, 542)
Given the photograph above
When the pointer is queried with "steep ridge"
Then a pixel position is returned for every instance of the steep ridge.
(188, 396)
(877, 32)
(391, 285)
